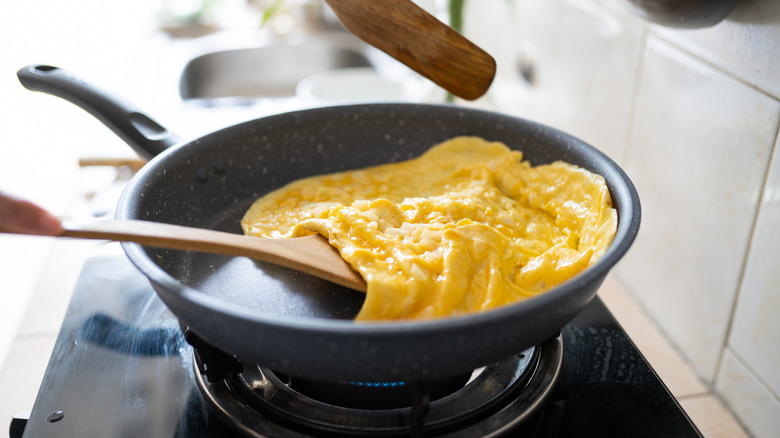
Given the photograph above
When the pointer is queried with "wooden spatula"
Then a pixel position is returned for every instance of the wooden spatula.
(406, 32)
(311, 254)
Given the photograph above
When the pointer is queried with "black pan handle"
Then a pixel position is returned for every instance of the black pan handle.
(147, 137)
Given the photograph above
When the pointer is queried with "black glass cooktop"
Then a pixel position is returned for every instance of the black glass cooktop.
(121, 368)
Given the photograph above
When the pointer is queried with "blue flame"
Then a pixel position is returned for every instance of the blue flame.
(378, 384)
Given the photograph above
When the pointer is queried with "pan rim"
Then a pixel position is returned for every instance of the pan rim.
(628, 224)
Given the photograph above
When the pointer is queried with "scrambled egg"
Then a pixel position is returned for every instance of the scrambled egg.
(466, 227)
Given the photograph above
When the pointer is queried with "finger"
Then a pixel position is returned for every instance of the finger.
(22, 216)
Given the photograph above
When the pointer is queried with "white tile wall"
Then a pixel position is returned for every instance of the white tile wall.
(756, 322)
(698, 153)
(532, 37)
(593, 75)
(746, 44)
(693, 116)
(563, 42)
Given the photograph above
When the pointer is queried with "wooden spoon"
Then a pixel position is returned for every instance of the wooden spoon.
(310, 254)
(406, 32)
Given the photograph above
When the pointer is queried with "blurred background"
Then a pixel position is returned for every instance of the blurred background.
(692, 115)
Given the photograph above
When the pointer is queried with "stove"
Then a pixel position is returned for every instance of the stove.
(123, 366)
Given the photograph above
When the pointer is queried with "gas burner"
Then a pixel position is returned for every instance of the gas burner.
(123, 367)
(262, 403)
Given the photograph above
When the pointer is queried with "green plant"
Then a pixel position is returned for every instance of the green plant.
(270, 11)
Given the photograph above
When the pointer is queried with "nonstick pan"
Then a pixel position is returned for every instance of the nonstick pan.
(294, 323)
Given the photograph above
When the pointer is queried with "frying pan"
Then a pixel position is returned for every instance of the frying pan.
(301, 325)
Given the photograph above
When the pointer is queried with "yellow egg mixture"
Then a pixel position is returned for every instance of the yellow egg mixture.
(466, 227)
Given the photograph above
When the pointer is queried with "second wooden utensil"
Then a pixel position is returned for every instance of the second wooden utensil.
(409, 34)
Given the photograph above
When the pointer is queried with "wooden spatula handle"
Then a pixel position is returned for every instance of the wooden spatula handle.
(311, 254)
(416, 38)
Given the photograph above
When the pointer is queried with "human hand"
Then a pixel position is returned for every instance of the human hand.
(21, 216)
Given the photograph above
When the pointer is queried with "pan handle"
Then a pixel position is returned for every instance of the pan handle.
(147, 137)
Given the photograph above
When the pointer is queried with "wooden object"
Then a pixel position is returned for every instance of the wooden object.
(310, 254)
(416, 38)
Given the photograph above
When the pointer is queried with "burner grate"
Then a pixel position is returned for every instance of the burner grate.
(491, 400)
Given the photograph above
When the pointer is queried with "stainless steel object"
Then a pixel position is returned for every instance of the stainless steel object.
(269, 68)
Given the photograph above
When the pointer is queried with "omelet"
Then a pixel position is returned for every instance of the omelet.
(466, 227)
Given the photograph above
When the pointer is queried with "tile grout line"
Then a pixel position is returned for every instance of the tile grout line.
(638, 77)
(753, 373)
(691, 397)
